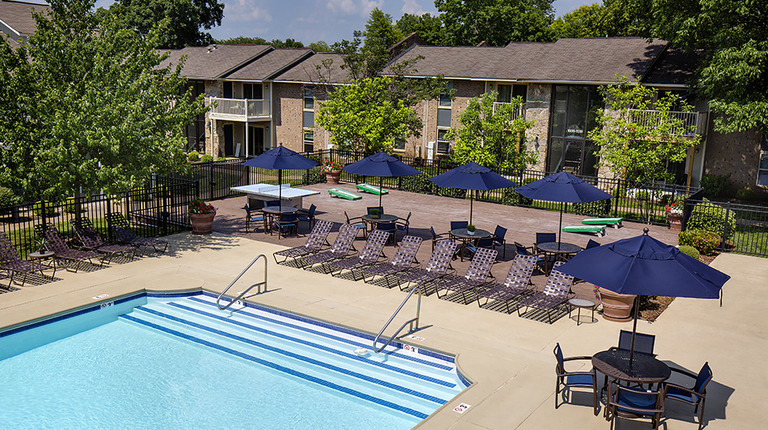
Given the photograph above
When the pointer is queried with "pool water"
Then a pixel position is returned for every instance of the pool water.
(181, 363)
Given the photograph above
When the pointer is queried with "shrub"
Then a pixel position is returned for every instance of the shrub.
(50, 209)
(704, 241)
(221, 159)
(7, 197)
(643, 195)
(314, 175)
(207, 158)
(689, 251)
(711, 217)
(715, 185)
(417, 184)
(745, 194)
(141, 194)
(193, 156)
(620, 192)
(600, 208)
(161, 190)
(69, 205)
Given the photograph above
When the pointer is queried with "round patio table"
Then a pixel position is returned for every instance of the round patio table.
(384, 218)
(463, 234)
(273, 211)
(644, 369)
(563, 250)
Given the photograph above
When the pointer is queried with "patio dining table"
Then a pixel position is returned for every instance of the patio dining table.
(465, 237)
(383, 218)
(563, 251)
(644, 368)
(273, 211)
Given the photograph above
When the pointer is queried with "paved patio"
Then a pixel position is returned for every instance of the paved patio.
(508, 358)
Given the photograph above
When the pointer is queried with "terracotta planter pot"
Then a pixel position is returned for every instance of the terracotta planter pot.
(616, 307)
(333, 176)
(202, 223)
(675, 222)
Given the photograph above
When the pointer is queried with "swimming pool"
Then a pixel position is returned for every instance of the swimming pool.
(178, 362)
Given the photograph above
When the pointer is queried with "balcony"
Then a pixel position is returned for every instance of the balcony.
(691, 123)
(240, 109)
(520, 111)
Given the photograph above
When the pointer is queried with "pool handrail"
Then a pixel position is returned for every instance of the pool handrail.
(243, 293)
(410, 321)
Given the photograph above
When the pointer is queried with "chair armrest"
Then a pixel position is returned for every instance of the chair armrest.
(581, 357)
(681, 388)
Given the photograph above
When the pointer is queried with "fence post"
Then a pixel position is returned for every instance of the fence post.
(109, 219)
(43, 213)
(725, 226)
(211, 182)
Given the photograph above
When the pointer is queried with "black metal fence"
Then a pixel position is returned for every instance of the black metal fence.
(158, 209)
(742, 228)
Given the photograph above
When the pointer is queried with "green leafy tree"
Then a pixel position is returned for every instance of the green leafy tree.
(428, 27)
(638, 135)
(243, 40)
(87, 105)
(361, 116)
(498, 22)
(187, 17)
(492, 134)
(319, 46)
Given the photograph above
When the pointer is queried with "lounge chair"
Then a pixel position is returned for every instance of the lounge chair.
(402, 260)
(527, 250)
(436, 237)
(368, 255)
(338, 192)
(315, 242)
(12, 262)
(371, 189)
(124, 234)
(695, 396)
(584, 379)
(55, 243)
(599, 230)
(516, 284)
(339, 249)
(476, 275)
(92, 240)
(556, 292)
(615, 222)
(436, 267)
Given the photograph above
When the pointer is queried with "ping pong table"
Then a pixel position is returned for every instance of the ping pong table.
(258, 194)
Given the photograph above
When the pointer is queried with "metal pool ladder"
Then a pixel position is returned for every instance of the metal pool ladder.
(410, 321)
(258, 284)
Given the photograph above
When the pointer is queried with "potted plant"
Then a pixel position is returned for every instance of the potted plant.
(375, 213)
(332, 171)
(471, 230)
(675, 215)
(616, 307)
(201, 216)
(39, 244)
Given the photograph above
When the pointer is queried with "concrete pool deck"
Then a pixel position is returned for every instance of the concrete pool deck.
(508, 358)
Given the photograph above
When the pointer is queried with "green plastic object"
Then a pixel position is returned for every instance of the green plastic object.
(371, 189)
(597, 229)
(615, 222)
(338, 192)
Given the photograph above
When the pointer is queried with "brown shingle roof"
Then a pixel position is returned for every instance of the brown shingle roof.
(306, 71)
(18, 15)
(266, 66)
(594, 60)
(215, 61)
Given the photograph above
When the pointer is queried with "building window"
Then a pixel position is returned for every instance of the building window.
(195, 132)
(443, 121)
(762, 172)
(309, 140)
(399, 144)
(508, 92)
(227, 90)
(253, 91)
(308, 119)
(572, 116)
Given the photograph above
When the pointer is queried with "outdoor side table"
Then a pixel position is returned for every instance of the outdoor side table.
(581, 304)
(42, 256)
(463, 234)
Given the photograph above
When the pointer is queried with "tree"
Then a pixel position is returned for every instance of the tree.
(637, 145)
(92, 109)
(319, 46)
(730, 39)
(428, 27)
(242, 40)
(492, 136)
(186, 17)
(498, 22)
(362, 117)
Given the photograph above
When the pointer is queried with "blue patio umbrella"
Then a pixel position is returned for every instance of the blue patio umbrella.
(382, 165)
(280, 158)
(564, 188)
(645, 266)
(472, 176)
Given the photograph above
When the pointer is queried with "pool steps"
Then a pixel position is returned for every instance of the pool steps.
(396, 379)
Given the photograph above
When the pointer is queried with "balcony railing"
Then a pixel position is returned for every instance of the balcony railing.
(240, 109)
(691, 123)
(520, 111)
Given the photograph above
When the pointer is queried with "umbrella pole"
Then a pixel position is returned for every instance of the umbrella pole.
(471, 204)
(560, 228)
(634, 331)
(381, 191)
(280, 190)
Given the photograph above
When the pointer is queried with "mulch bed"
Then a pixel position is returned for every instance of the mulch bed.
(659, 303)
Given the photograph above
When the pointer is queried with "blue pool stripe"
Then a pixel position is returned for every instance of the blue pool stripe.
(315, 345)
(330, 336)
(280, 368)
(297, 356)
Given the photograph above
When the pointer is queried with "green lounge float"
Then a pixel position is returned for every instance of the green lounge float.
(599, 230)
(615, 222)
(338, 192)
(371, 189)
